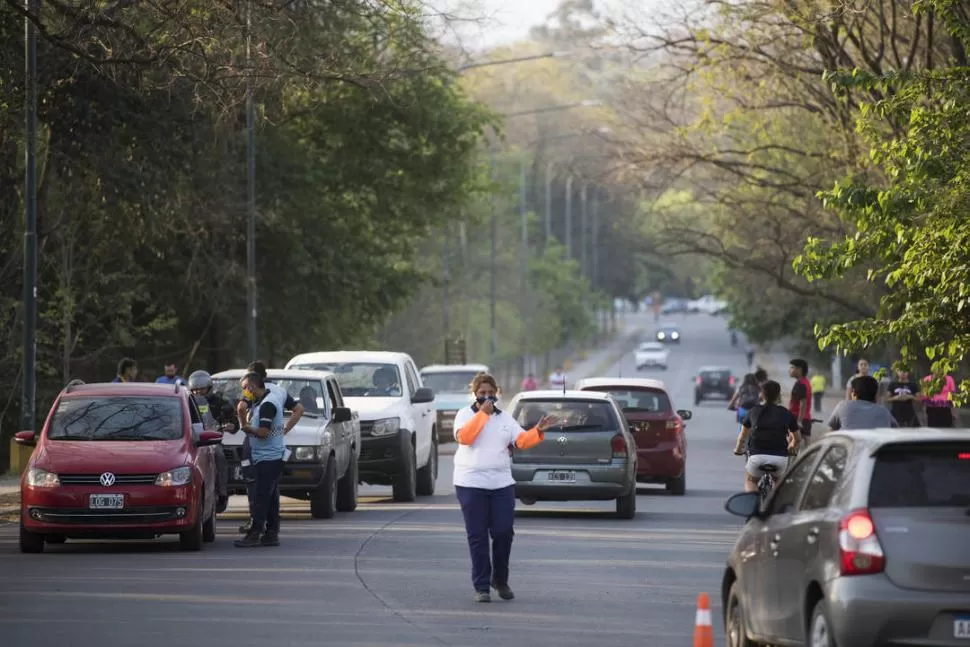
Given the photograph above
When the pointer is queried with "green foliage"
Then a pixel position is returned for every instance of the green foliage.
(911, 229)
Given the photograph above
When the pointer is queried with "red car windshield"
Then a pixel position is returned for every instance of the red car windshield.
(645, 400)
(117, 418)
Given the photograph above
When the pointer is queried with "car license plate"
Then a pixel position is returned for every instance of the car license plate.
(961, 628)
(562, 477)
(237, 474)
(106, 501)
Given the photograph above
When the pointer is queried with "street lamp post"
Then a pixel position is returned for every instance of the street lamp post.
(584, 215)
(524, 270)
(569, 217)
(548, 214)
(28, 405)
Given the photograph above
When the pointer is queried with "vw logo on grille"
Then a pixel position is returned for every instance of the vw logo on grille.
(562, 441)
(107, 479)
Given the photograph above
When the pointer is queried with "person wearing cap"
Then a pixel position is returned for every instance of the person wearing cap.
(485, 486)
(220, 411)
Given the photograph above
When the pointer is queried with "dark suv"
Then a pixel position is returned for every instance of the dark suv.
(713, 380)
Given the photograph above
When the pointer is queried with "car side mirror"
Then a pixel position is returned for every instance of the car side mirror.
(208, 438)
(685, 414)
(25, 438)
(423, 395)
(744, 504)
(342, 414)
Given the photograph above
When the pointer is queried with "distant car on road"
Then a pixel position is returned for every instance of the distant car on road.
(658, 430)
(589, 456)
(451, 384)
(325, 443)
(120, 461)
(862, 543)
(399, 439)
(651, 354)
(713, 380)
(668, 333)
(707, 304)
(674, 306)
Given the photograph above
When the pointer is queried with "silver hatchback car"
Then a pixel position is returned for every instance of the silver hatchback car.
(589, 456)
(864, 542)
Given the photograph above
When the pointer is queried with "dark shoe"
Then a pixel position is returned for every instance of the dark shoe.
(246, 527)
(251, 540)
(221, 504)
(482, 596)
(504, 591)
(270, 539)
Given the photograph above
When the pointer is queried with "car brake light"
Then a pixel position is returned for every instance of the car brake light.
(965, 456)
(619, 446)
(673, 424)
(697, 380)
(731, 381)
(859, 549)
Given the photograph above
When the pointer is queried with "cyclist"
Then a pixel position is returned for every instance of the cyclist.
(746, 397)
(769, 433)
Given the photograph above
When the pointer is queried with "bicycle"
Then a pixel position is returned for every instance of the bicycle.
(767, 482)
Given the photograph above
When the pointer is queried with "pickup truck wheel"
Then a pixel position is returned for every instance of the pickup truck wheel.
(323, 500)
(428, 475)
(347, 487)
(405, 481)
(192, 538)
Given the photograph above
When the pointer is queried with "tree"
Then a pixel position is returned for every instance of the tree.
(912, 231)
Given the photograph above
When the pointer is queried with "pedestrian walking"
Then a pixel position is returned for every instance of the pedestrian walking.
(529, 383)
(484, 484)
(903, 393)
(557, 380)
(939, 407)
(800, 403)
(862, 370)
(818, 390)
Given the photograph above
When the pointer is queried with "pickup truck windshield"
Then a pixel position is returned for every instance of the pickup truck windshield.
(117, 418)
(362, 379)
(450, 382)
(309, 393)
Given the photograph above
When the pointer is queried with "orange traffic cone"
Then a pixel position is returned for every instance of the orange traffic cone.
(703, 631)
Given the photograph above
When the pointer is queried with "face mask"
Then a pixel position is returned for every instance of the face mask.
(248, 395)
(483, 400)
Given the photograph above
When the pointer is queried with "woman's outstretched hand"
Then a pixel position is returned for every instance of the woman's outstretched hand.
(546, 422)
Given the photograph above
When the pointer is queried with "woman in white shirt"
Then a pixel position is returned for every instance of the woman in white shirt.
(484, 484)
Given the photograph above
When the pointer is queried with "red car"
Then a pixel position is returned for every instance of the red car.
(657, 428)
(120, 461)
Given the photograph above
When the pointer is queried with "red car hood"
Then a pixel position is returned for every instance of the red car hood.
(119, 457)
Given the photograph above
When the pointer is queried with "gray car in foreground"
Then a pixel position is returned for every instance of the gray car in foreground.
(864, 542)
(589, 456)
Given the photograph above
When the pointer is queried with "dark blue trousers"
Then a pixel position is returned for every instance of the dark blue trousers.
(488, 513)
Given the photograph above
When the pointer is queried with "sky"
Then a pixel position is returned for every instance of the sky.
(500, 22)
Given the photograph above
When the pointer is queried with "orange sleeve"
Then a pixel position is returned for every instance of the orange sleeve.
(530, 439)
(471, 429)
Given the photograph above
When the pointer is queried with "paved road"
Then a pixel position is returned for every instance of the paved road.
(397, 575)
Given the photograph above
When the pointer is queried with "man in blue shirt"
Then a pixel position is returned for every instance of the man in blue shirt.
(265, 431)
(171, 376)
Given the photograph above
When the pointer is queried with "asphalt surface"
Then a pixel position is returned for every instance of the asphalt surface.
(395, 575)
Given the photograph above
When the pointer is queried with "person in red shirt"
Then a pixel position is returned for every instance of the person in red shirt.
(800, 403)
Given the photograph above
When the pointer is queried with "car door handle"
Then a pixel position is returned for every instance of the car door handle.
(812, 535)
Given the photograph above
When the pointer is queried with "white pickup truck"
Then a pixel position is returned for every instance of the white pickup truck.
(397, 417)
(707, 304)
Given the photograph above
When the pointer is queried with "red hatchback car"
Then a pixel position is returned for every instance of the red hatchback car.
(657, 428)
(120, 461)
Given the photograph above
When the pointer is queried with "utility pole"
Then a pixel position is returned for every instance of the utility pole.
(493, 334)
(446, 297)
(28, 405)
(584, 222)
(524, 271)
(569, 217)
(548, 213)
(250, 188)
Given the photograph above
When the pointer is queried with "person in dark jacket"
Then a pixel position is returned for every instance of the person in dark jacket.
(216, 406)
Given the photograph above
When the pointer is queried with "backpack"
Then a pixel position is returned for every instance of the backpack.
(749, 396)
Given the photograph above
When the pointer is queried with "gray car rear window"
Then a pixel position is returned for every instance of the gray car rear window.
(921, 476)
(582, 415)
